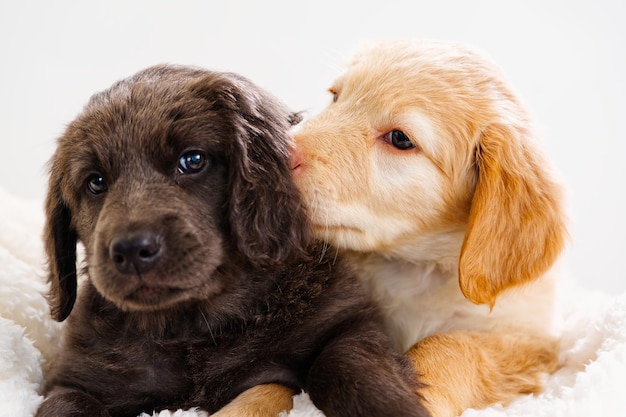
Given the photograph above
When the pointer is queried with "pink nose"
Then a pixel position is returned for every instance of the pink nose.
(296, 159)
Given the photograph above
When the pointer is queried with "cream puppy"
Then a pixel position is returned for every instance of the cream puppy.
(425, 170)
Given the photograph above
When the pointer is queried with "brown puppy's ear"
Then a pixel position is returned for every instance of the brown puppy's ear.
(60, 245)
(267, 220)
(516, 225)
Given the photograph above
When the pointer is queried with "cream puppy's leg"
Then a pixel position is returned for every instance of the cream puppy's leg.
(474, 369)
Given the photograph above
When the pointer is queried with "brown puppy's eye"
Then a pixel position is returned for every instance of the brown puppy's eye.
(399, 140)
(96, 184)
(191, 162)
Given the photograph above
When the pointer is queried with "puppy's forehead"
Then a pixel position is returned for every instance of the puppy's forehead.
(141, 122)
(140, 111)
(458, 88)
(401, 70)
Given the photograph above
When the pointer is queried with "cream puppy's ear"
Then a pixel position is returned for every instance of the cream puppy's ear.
(516, 226)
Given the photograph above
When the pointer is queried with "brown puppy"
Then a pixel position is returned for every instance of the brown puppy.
(425, 171)
(200, 279)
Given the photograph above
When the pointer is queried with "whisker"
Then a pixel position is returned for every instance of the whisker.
(208, 326)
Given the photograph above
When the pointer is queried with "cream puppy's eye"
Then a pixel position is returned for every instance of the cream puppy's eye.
(334, 93)
(399, 140)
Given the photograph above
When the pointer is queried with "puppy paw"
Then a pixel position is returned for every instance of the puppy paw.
(475, 369)
(518, 363)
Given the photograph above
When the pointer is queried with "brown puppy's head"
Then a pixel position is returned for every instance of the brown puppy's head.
(426, 154)
(165, 177)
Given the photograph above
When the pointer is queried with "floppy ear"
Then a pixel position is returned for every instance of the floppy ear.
(266, 216)
(516, 225)
(60, 245)
(267, 220)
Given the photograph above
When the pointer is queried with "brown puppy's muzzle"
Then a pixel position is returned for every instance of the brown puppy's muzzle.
(136, 252)
(147, 255)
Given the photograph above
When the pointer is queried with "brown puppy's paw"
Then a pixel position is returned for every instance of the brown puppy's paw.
(475, 369)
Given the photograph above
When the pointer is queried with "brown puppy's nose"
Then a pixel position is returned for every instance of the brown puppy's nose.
(135, 253)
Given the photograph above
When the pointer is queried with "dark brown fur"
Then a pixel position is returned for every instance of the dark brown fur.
(235, 294)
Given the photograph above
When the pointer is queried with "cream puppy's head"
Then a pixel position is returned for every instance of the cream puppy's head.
(425, 154)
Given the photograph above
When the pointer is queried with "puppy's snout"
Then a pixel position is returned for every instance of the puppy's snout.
(296, 159)
(136, 252)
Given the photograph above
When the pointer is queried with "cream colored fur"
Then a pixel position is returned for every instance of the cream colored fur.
(460, 232)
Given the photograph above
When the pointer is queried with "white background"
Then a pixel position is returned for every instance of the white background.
(566, 59)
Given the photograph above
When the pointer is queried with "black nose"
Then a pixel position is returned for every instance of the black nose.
(136, 252)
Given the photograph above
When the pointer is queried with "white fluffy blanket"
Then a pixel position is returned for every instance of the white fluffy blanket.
(593, 348)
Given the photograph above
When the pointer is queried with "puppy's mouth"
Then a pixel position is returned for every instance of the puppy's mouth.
(347, 237)
(151, 291)
(153, 295)
(324, 230)
(343, 236)
(150, 296)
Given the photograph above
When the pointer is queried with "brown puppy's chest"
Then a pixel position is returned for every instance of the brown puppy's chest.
(151, 370)
(190, 361)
